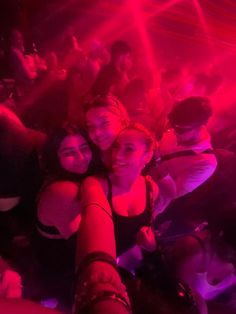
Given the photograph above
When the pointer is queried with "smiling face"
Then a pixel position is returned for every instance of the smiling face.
(124, 62)
(74, 154)
(130, 153)
(187, 135)
(103, 126)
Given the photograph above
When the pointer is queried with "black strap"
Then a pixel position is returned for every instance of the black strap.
(95, 257)
(98, 205)
(149, 199)
(109, 193)
(47, 229)
(149, 195)
(184, 153)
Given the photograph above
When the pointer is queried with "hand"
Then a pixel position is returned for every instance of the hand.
(146, 239)
(10, 284)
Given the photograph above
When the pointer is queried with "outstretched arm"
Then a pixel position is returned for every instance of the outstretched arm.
(99, 288)
(96, 232)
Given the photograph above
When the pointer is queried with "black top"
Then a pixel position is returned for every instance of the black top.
(126, 227)
(107, 77)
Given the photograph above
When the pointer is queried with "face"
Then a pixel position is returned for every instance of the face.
(74, 154)
(18, 40)
(125, 61)
(186, 135)
(103, 127)
(129, 153)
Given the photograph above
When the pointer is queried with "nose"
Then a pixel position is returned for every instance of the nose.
(79, 155)
(117, 154)
(97, 132)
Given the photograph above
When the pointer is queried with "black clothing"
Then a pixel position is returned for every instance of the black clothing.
(107, 77)
(126, 227)
(205, 203)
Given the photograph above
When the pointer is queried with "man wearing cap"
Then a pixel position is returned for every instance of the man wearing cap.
(185, 149)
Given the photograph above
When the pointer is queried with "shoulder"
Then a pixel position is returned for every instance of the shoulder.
(91, 181)
(94, 191)
(57, 196)
(203, 161)
(62, 188)
(94, 185)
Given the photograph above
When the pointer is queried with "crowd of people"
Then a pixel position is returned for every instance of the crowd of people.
(111, 201)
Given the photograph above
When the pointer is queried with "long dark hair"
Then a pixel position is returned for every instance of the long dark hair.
(50, 160)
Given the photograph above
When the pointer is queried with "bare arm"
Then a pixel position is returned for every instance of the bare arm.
(96, 231)
(96, 235)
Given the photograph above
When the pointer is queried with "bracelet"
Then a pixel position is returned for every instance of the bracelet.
(95, 257)
(83, 306)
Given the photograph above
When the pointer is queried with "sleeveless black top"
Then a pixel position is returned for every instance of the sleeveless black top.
(126, 227)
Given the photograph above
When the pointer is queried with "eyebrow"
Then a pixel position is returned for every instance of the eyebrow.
(84, 144)
(103, 116)
(126, 144)
(68, 148)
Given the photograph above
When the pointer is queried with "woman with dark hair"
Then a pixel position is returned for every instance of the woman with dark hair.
(67, 159)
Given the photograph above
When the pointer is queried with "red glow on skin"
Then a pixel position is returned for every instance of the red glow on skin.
(181, 294)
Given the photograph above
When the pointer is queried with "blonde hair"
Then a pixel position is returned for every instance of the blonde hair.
(149, 138)
(112, 104)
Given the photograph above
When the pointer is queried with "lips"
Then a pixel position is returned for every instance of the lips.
(81, 166)
(119, 165)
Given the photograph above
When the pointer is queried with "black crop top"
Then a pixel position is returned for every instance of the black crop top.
(126, 227)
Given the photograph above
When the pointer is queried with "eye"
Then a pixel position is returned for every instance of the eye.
(68, 154)
(105, 123)
(85, 149)
(129, 149)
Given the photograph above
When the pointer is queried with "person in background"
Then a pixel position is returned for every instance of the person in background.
(26, 68)
(113, 77)
(97, 57)
(19, 183)
(72, 54)
(137, 102)
(185, 149)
